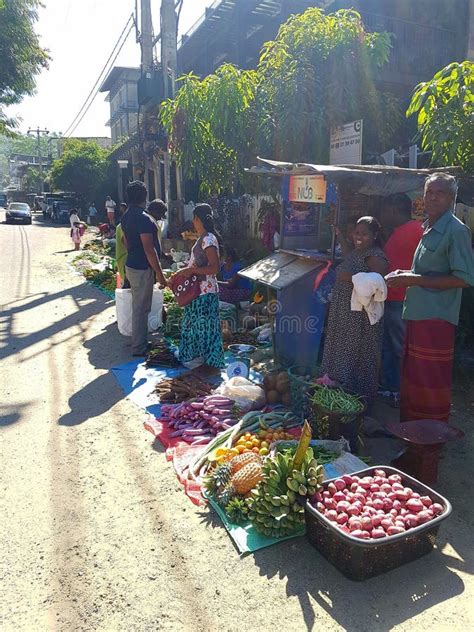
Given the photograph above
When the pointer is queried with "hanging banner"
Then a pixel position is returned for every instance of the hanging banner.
(310, 189)
(346, 144)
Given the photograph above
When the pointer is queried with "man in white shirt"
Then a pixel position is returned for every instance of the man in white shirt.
(110, 210)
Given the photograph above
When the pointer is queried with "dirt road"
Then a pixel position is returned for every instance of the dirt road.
(96, 532)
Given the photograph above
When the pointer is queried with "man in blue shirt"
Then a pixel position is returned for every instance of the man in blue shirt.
(143, 251)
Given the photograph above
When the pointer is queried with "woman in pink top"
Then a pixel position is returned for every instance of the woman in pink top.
(399, 250)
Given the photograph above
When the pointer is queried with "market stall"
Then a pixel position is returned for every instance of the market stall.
(313, 198)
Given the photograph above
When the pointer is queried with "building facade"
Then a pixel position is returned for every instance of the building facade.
(122, 94)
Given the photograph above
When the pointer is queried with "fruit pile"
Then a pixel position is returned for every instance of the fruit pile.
(373, 507)
(276, 506)
(249, 442)
(234, 478)
(272, 494)
(277, 388)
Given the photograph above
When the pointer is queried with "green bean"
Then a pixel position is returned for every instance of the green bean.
(336, 400)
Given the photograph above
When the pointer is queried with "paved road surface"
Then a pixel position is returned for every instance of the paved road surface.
(96, 533)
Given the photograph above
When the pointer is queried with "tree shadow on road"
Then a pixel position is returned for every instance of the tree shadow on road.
(79, 294)
(380, 603)
(106, 350)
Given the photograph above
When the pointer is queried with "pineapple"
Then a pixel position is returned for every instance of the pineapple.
(238, 476)
(240, 461)
(246, 478)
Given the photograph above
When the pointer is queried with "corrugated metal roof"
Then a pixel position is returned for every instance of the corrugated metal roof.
(379, 180)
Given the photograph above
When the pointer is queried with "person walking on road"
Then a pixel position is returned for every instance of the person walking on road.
(143, 251)
(91, 214)
(443, 264)
(110, 210)
(399, 250)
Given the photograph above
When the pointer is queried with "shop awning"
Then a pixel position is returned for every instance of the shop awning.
(280, 269)
(381, 180)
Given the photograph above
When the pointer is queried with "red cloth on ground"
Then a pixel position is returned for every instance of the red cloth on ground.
(181, 454)
(427, 370)
(400, 249)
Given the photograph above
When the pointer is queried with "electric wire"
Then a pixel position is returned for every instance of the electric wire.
(106, 68)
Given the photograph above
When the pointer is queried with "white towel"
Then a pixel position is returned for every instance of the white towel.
(369, 293)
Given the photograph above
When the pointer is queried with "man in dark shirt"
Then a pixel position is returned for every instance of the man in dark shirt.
(143, 251)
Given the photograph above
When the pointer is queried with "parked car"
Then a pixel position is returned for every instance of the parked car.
(3, 200)
(18, 212)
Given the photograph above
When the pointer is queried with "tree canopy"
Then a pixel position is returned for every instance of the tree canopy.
(445, 115)
(21, 55)
(209, 125)
(317, 73)
(83, 167)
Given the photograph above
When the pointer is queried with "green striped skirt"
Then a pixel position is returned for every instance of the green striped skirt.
(201, 335)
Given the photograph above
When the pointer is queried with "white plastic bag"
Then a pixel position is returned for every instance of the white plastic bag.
(123, 306)
(246, 394)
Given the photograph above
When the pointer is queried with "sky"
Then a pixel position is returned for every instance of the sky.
(80, 35)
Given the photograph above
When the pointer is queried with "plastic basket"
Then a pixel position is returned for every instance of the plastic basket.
(338, 424)
(361, 559)
(299, 386)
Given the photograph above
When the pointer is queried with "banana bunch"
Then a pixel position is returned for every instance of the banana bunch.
(276, 505)
(306, 482)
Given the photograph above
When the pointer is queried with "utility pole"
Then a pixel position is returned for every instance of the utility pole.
(146, 46)
(169, 62)
(169, 46)
(146, 39)
(38, 133)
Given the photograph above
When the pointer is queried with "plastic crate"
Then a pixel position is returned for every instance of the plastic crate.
(361, 559)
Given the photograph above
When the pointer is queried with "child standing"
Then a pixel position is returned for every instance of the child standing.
(76, 231)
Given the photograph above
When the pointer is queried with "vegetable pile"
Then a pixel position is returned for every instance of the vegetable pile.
(160, 355)
(277, 388)
(336, 400)
(179, 389)
(198, 421)
(174, 316)
(102, 278)
(374, 507)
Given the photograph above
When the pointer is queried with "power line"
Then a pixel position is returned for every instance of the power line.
(87, 104)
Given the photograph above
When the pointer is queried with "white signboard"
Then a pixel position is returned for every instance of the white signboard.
(346, 144)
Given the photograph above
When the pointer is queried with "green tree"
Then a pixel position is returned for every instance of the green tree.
(445, 115)
(83, 168)
(21, 55)
(32, 179)
(318, 73)
(209, 126)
